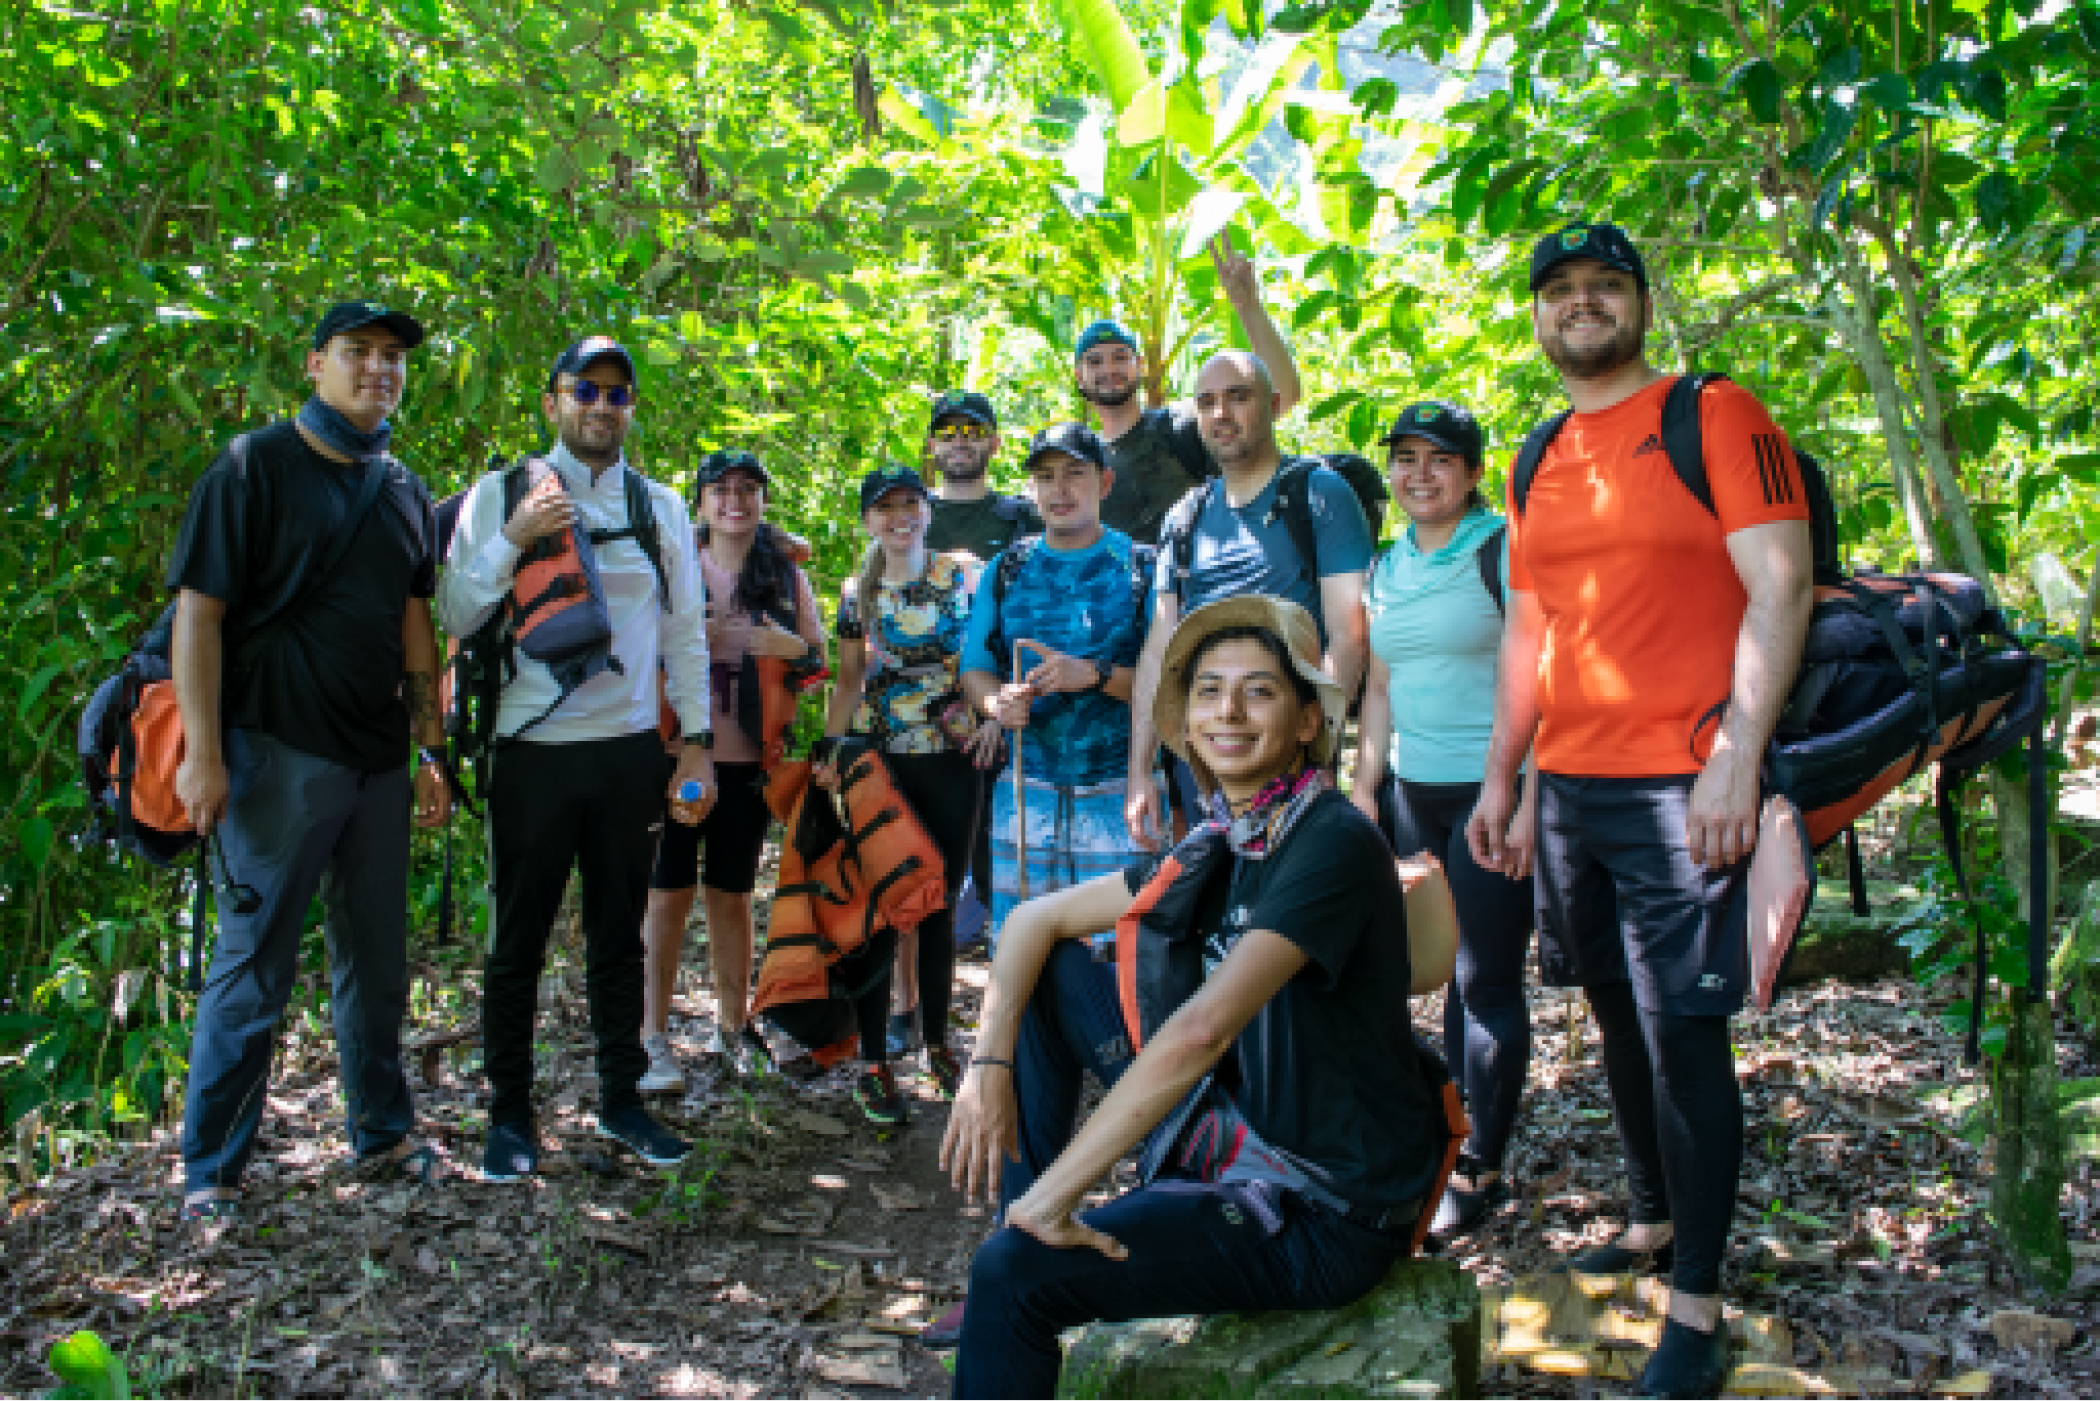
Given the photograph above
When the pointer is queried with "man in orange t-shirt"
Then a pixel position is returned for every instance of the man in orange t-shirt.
(1648, 649)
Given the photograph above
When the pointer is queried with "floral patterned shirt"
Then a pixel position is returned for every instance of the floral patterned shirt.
(914, 657)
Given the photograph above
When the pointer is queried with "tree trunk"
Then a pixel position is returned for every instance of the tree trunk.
(2027, 1169)
(1856, 322)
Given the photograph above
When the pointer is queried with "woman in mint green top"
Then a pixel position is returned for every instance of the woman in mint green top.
(1435, 600)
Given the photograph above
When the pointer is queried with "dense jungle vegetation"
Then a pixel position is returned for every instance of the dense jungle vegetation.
(808, 217)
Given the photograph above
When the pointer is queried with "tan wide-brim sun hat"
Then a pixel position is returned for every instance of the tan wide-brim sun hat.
(1170, 702)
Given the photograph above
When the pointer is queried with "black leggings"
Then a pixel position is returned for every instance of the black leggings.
(1680, 1116)
(1487, 1026)
(944, 793)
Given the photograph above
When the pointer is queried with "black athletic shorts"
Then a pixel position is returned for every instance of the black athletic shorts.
(1620, 899)
(734, 832)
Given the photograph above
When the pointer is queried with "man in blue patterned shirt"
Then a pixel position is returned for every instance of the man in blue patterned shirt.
(1076, 600)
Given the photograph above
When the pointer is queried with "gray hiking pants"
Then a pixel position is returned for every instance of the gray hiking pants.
(297, 824)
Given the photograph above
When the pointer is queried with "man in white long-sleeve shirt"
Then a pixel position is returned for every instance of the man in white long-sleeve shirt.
(577, 779)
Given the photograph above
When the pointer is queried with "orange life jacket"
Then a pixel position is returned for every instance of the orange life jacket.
(855, 871)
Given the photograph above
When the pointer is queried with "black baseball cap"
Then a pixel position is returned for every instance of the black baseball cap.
(588, 352)
(1443, 423)
(1605, 243)
(721, 462)
(886, 479)
(1105, 332)
(345, 317)
(957, 403)
(1072, 439)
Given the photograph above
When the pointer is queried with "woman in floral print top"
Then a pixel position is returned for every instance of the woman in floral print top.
(900, 631)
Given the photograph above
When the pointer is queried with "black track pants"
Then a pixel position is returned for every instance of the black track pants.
(1680, 1117)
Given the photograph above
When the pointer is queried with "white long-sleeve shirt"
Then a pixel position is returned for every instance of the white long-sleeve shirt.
(483, 564)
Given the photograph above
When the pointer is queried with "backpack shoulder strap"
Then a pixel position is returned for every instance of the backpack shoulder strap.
(1005, 570)
(641, 519)
(1294, 505)
(1489, 558)
(1144, 563)
(1531, 454)
(1177, 533)
(1682, 437)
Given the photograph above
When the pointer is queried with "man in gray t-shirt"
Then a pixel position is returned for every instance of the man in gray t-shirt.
(1245, 549)
(1239, 545)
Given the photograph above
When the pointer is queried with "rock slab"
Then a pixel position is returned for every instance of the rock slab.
(1416, 1335)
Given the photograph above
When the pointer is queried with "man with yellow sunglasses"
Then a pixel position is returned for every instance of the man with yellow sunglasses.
(962, 437)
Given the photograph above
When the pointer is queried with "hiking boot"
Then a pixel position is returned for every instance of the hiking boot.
(511, 1153)
(877, 1095)
(947, 1073)
(1461, 1211)
(904, 1032)
(664, 1075)
(945, 1333)
(635, 1129)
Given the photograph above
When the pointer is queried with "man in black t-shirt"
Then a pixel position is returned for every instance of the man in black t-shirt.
(1290, 1132)
(1156, 453)
(303, 657)
(962, 438)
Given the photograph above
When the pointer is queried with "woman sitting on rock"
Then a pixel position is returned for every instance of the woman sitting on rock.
(1292, 1129)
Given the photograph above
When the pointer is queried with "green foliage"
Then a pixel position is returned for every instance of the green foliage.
(89, 1369)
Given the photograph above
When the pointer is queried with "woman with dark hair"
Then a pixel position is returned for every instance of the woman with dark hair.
(901, 631)
(760, 604)
(1435, 605)
(1291, 1128)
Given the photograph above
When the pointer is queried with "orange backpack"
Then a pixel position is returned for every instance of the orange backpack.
(856, 869)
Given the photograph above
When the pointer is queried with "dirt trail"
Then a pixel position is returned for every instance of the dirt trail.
(797, 1252)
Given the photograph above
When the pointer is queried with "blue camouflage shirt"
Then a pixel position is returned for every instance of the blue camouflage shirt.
(1092, 603)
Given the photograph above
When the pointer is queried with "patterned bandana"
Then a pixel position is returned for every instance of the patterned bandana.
(1269, 818)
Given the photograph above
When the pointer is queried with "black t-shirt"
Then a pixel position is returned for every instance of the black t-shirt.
(1327, 1070)
(329, 682)
(983, 527)
(1155, 463)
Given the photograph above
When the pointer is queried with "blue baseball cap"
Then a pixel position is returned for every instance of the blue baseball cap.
(1105, 332)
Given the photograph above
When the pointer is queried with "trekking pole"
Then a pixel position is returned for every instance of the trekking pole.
(1020, 786)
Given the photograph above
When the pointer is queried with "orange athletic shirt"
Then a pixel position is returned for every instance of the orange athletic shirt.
(1641, 601)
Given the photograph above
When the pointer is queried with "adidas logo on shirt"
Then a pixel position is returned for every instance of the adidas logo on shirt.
(1652, 443)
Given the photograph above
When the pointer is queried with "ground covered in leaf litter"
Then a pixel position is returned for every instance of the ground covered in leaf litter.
(799, 1250)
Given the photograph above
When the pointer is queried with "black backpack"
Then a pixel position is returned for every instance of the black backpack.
(1898, 671)
(1293, 506)
(107, 743)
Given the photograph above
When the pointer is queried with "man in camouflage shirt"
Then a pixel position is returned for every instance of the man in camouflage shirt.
(1157, 454)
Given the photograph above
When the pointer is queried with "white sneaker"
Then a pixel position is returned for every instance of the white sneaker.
(664, 1076)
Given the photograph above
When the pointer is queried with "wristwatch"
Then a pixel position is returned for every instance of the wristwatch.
(703, 739)
(1103, 671)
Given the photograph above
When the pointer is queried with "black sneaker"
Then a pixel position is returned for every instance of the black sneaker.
(635, 1129)
(1615, 1259)
(876, 1094)
(947, 1073)
(512, 1152)
(1462, 1212)
(1686, 1362)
